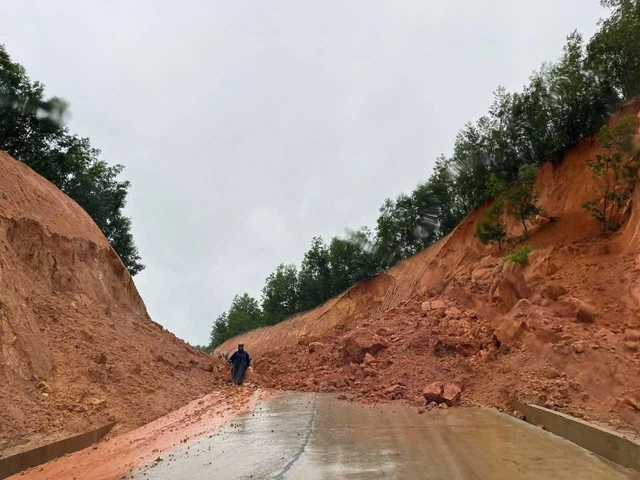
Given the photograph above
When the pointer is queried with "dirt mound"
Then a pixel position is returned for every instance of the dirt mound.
(77, 347)
(560, 332)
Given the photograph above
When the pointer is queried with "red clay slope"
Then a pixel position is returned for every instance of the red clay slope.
(562, 332)
(77, 347)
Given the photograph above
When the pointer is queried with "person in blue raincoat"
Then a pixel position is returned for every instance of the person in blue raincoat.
(239, 361)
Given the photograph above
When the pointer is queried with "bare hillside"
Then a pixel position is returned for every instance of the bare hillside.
(77, 347)
(564, 331)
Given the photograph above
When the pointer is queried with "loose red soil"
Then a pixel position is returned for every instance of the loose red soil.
(119, 455)
(563, 332)
(77, 347)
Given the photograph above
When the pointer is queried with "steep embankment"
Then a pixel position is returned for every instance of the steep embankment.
(563, 332)
(77, 347)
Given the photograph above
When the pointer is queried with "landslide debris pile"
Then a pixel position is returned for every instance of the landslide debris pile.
(77, 347)
(440, 353)
(563, 331)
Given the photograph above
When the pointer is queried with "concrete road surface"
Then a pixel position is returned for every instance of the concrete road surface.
(308, 436)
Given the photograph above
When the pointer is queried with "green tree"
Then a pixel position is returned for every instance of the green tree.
(532, 139)
(615, 171)
(614, 51)
(491, 228)
(406, 225)
(427, 209)
(496, 186)
(219, 331)
(443, 186)
(580, 100)
(496, 158)
(314, 279)
(351, 260)
(280, 294)
(32, 131)
(29, 123)
(522, 197)
(366, 241)
(346, 263)
(471, 167)
(244, 315)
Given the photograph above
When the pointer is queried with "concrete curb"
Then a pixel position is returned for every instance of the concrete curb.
(606, 443)
(37, 456)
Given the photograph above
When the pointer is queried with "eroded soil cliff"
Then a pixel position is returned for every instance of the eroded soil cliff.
(564, 331)
(77, 347)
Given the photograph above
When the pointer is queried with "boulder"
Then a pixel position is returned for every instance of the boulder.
(315, 346)
(538, 299)
(511, 286)
(563, 308)
(505, 293)
(465, 346)
(394, 388)
(632, 346)
(553, 291)
(631, 335)
(513, 330)
(433, 392)
(438, 392)
(585, 316)
(369, 359)
(483, 273)
(584, 312)
(360, 342)
(451, 394)
(384, 332)
(453, 312)
(433, 305)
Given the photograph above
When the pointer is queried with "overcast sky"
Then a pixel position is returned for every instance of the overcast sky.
(248, 127)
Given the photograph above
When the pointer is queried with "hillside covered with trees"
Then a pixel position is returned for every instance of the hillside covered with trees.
(493, 158)
(32, 130)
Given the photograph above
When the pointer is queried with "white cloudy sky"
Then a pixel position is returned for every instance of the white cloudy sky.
(248, 127)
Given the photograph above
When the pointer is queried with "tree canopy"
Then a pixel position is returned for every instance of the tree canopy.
(495, 157)
(32, 130)
(615, 171)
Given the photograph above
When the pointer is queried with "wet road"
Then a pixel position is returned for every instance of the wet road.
(306, 436)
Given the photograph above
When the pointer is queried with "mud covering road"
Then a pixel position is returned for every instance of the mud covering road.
(316, 436)
(113, 458)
